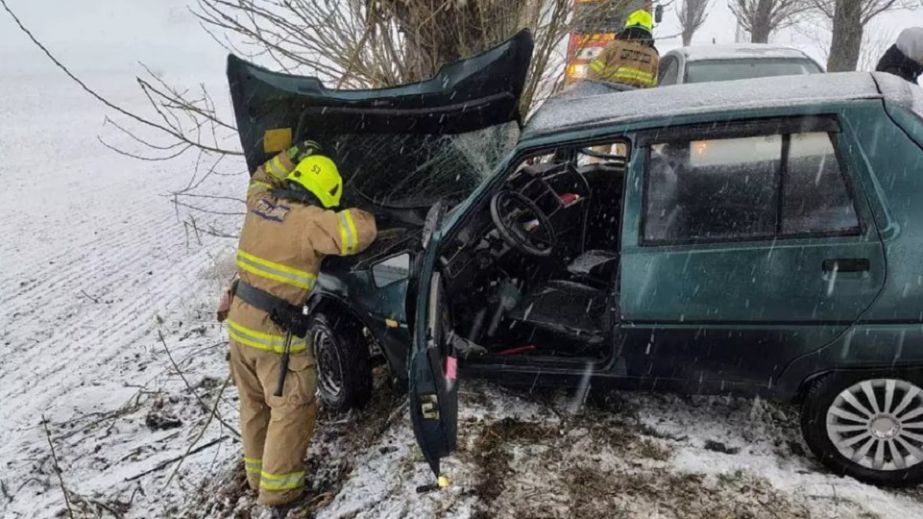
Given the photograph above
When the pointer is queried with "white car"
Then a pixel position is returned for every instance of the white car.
(728, 62)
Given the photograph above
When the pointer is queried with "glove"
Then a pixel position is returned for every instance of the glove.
(224, 304)
(298, 152)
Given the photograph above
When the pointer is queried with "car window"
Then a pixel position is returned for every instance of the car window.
(816, 198)
(731, 69)
(669, 71)
(712, 190)
(746, 188)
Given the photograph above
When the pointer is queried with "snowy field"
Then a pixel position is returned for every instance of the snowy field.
(96, 265)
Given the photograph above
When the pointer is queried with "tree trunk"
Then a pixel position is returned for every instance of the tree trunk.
(847, 36)
(687, 37)
(438, 32)
(761, 25)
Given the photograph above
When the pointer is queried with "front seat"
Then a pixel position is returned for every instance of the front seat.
(594, 264)
(572, 309)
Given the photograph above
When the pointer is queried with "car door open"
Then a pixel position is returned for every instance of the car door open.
(433, 373)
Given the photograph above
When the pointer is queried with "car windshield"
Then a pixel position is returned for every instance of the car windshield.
(731, 69)
(416, 170)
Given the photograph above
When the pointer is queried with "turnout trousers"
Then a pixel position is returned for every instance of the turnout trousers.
(276, 430)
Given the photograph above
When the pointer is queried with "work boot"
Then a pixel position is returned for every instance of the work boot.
(279, 512)
(282, 511)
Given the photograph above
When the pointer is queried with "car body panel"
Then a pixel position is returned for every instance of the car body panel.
(476, 92)
(895, 186)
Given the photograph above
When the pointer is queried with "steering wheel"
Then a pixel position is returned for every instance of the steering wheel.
(521, 224)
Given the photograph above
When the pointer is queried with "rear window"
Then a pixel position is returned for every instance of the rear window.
(416, 170)
(731, 69)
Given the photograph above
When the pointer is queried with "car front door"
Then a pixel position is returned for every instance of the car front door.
(433, 369)
(746, 245)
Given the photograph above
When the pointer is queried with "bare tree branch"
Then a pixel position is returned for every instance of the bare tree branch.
(691, 14)
(168, 129)
(763, 17)
(192, 390)
(57, 469)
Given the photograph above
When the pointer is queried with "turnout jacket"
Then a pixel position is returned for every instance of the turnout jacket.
(628, 62)
(282, 245)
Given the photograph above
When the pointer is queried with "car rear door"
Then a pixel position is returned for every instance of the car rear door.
(747, 245)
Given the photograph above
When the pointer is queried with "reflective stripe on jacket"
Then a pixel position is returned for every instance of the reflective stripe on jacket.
(626, 62)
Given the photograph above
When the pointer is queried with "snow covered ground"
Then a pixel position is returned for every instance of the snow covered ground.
(96, 264)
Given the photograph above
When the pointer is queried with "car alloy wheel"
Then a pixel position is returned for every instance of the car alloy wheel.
(878, 424)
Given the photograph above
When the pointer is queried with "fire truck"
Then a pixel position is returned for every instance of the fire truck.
(596, 23)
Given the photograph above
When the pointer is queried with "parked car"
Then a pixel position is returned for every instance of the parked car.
(760, 237)
(700, 64)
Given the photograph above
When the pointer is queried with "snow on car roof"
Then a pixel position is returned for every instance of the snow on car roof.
(738, 51)
(900, 91)
(569, 113)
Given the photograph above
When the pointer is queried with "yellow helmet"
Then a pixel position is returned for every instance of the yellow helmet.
(320, 176)
(640, 19)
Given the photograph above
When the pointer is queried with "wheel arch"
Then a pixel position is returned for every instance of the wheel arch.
(914, 371)
(336, 305)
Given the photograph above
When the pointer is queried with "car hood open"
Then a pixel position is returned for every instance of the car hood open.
(379, 138)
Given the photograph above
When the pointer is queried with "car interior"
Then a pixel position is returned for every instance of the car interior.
(534, 272)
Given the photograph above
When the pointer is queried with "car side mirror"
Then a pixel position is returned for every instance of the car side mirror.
(433, 219)
(391, 270)
(658, 13)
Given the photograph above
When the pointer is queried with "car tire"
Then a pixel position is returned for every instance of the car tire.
(344, 374)
(852, 424)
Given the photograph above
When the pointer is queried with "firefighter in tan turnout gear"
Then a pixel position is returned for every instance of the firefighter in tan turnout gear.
(631, 59)
(291, 224)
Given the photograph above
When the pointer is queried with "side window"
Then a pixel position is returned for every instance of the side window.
(669, 71)
(816, 198)
(746, 188)
(712, 190)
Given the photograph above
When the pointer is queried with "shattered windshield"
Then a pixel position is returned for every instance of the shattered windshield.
(416, 170)
(728, 70)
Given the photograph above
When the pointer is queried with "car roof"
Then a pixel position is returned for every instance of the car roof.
(737, 51)
(660, 104)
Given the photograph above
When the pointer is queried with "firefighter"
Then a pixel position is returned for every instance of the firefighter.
(290, 225)
(905, 57)
(631, 59)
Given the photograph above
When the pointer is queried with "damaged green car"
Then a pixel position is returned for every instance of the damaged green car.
(755, 237)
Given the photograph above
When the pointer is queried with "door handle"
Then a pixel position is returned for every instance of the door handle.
(846, 265)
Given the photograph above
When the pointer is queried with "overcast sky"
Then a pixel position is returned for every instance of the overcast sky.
(108, 35)
(810, 37)
(115, 34)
